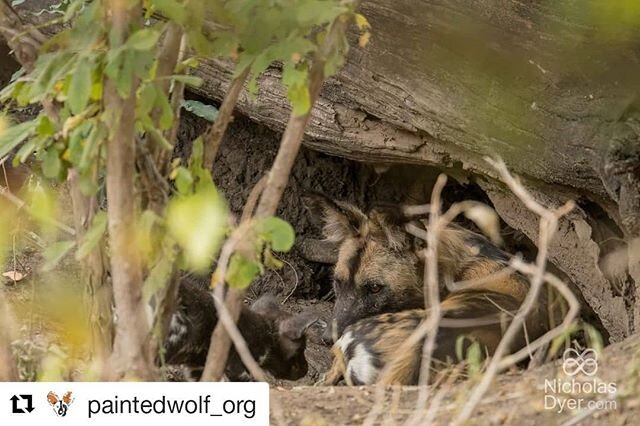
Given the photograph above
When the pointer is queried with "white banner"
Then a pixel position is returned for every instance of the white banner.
(159, 403)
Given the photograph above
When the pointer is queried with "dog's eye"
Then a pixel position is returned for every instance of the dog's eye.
(374, 288)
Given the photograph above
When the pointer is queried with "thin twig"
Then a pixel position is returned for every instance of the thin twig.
(432, 295)
(213, 138)
(548, 224)
(238, 341)
(4, 192)
(276, 181)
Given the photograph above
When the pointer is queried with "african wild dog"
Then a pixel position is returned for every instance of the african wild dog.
(275, 338)
(379, 271)
(373, 343)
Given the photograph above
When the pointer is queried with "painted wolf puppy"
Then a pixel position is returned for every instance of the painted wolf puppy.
(378, 269)
(373, 343)
(275, 338)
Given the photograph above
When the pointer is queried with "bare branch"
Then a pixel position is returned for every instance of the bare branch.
(276, 181)
(548, 224)
(213, 138)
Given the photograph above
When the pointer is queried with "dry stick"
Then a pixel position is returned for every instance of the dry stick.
(25, 47)
(548, 224)
(429, 326)
(177, 95)
(216, 363)
(4, 192)
(238, 341)
(131, 356)
(574, 309)
(213, 138)
(276, 182)
(432, 295)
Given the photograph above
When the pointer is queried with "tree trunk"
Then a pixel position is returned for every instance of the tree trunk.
(132, 355)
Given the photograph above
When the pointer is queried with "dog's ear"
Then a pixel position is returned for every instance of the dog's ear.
(268, 307)
(292, 332)
(340, 220)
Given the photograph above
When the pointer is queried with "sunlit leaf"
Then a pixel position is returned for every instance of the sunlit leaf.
(362, 22)
(171, 9)
(183, 180)
(14, 135)
(51, 163)
(279, 233)
(242, 271)
(144, 39)
(198, 222)
(80, 88)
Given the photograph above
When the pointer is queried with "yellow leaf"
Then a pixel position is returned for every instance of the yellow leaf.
(362, 22)
(364, 39)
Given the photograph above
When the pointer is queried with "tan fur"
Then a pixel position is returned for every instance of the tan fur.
(337, 370)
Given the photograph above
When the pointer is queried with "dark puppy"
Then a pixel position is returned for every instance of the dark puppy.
(275, 338)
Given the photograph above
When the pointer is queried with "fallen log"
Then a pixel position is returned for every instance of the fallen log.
(551, 87)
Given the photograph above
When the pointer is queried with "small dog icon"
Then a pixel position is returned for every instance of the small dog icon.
(60, 407)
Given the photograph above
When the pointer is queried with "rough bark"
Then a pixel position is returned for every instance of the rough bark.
(131, 354)
(94, 274)
(550, 87)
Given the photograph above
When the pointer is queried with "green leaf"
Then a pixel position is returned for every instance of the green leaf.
(171, 9)
(80, 87)
(184, 180)
(51, 163)
(277, 232)
(198, 222)
(54, 253)
(87, 184)
(474, 358)
(45, 126)
(93, 236)
(208, 112)
(92, 145)
(166, 112)
(159, 275)
(242, 271)
(144, 39)
(300, 99)
(15, 135)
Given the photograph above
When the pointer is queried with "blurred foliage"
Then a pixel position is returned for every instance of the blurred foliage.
(72, 70)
